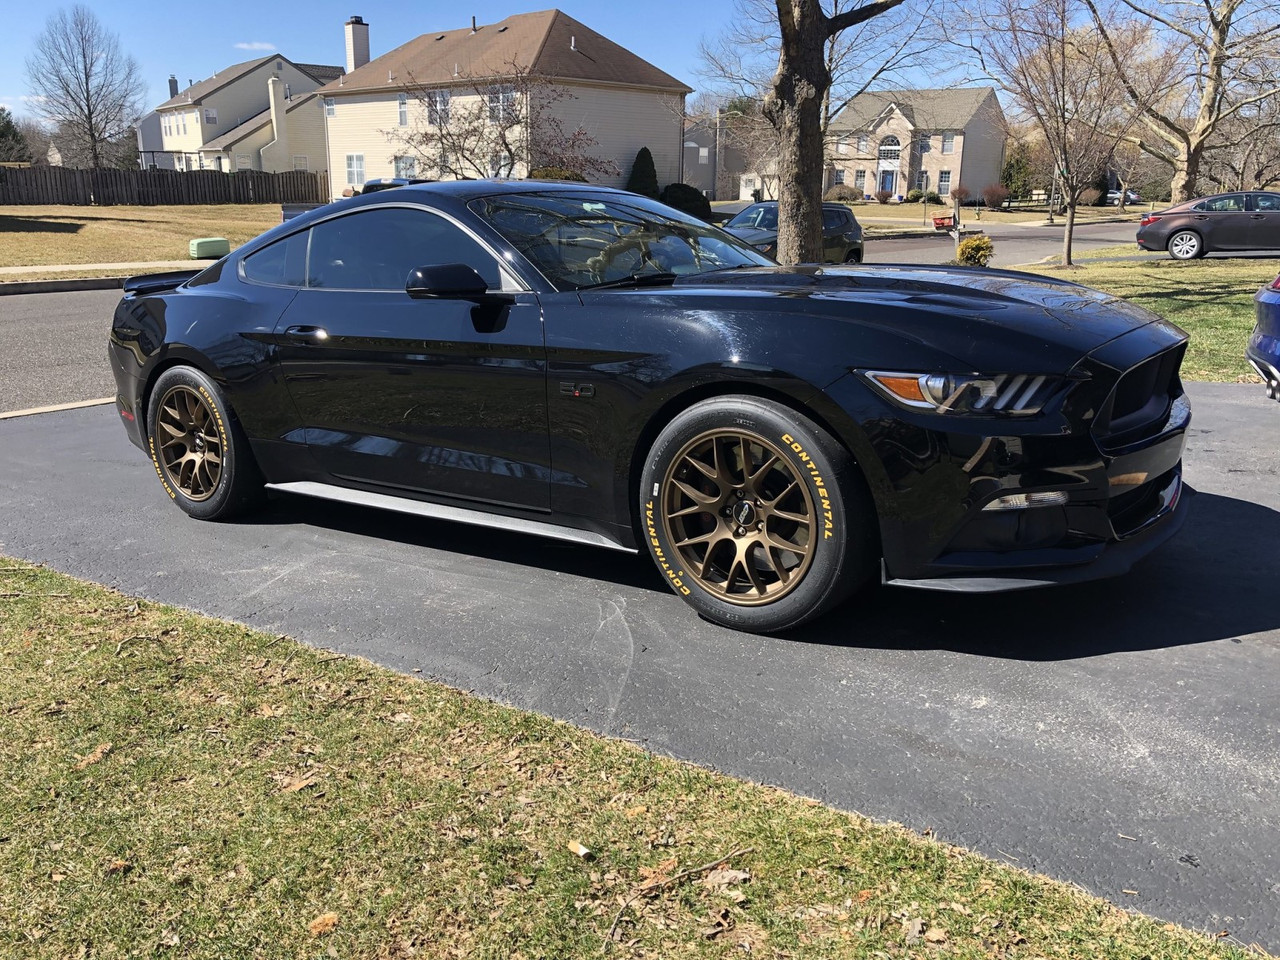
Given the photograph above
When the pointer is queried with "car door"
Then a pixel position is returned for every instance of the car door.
(835, 224)
(1222, 222)
(444, 396)
(1264, 221)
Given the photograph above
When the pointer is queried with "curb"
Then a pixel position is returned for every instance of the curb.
(61, 286)
(919, 235)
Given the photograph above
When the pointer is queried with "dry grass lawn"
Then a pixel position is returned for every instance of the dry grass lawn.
(177, 786)
(48, 235)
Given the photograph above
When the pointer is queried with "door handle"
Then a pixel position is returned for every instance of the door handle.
(1199, 216)
(307, 334)
(1257, 216)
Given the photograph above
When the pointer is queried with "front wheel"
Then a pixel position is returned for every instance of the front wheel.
(1185, 245)
(198, 448)
(755, 515)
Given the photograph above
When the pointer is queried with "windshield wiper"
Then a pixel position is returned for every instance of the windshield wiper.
(634, 280)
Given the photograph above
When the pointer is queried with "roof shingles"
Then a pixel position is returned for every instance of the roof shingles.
(925, 109)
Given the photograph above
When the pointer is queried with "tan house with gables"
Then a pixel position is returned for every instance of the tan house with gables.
(899, 140)
(380, 115)
(258, 115)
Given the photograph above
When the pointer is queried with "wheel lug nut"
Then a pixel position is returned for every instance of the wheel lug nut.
(742, 531)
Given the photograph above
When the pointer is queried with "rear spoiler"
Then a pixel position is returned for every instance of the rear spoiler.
(155, 282)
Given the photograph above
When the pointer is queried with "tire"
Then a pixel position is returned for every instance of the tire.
(854, 256)
(803, 491)
(199, 449)
(1185, 245)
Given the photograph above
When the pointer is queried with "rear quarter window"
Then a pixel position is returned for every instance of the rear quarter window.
(282, 264)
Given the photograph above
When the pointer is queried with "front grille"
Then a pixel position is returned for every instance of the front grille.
(1139, 404)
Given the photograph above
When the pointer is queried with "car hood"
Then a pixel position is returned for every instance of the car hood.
(754, 235)
(991, 320)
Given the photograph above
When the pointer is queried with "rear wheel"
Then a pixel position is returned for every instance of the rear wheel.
(1186, 245)
(755, 515)
(854, 256)
(199, 449)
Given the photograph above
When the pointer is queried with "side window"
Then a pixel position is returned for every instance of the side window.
(1266, 201)
(1232, 203)
(832, 220)
(282, 263)
(376, 249)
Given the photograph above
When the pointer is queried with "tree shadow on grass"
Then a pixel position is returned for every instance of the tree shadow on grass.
(38, 225)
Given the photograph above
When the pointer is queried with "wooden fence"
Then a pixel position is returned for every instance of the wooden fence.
(60, 185)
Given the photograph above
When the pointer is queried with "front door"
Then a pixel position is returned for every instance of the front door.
(441, 396)
(887, 178)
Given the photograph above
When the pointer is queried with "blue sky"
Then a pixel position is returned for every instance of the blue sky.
(194, 41)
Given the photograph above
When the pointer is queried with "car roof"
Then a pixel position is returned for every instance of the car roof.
(826, 205)
(470, 189)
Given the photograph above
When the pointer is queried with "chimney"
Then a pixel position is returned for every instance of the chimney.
(357, 43)
(473, 24)
(279, 127)
(173, 86)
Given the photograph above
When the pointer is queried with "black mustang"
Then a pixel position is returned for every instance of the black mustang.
(586, 364)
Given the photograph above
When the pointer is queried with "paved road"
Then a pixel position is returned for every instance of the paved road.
(53, 348)
(1036, 727)
(1015, 243)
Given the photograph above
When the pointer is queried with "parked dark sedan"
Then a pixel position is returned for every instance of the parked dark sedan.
(592, 366)
(1227, 221)
(1263, 348)
(841, 232)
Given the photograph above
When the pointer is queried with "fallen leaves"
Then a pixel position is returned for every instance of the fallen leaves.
(323, 924)
(89, 759)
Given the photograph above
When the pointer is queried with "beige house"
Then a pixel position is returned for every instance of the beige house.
(381, 114)
(258, 115)
(899, 140)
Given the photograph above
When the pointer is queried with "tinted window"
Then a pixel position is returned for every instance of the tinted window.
(833, 219)
(1266, 201)
(1232, 203)
(376, 249)
(764, 217)
(281, 263)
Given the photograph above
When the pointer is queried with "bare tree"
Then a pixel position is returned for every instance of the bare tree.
(496, 126)
(1135, 167)
(37, 139)
(1245, 154)
(1061, 77)
(1226, 54)
(83, 84)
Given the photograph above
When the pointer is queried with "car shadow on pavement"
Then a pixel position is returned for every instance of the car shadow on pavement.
(1210, 582)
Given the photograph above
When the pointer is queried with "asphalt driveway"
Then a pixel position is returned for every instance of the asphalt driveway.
(1123, 735)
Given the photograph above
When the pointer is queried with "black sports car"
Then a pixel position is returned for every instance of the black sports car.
(590, 365)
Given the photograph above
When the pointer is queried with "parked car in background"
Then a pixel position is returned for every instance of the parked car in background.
(1249, 220)
(841, 232)
(1263, 348)
(592, 366)
(1113, 197)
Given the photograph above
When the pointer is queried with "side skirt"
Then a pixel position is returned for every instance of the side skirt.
(436, 511)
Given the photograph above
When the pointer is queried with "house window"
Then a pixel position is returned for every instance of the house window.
(842, 146)
(890, 149)
(438, 108)
(502, 103)
(211, 116)
(242, 161)
(501, 165)
(860, 181)
(922, 180)
(402, 103)
(839, 176)
(948, 143)
(279, 66)
(924, 143)
(704, 154)
(406, 167)
(328, 106)
(300, 163)
(355, 169)
(944, 182)
(863, 143)
(182, 118)
(164, 125)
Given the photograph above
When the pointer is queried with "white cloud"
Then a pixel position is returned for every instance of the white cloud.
(255, 45)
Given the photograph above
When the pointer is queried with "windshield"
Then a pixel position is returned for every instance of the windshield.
(582, 240)
(762, 218)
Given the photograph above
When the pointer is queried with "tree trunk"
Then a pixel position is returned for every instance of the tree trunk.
(794, 107)
(1067, 232)
(1186, 171)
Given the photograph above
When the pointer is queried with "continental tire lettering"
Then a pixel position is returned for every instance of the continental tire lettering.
(672, 575)
(815, 477)
(151, 443)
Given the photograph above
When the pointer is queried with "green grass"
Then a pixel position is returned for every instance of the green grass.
(1211, 299)
(180, 786)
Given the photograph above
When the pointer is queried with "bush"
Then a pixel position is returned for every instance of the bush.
(556, 173)
(961, 194)
(995, 195)
(915, 196)
(842, 193)
(1090, 196)
(883, 196)
(644, 178)
(975, 251)
(932, 197)
(687, 198)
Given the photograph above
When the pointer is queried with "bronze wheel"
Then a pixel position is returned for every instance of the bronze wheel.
(740, 517)
(191, 447)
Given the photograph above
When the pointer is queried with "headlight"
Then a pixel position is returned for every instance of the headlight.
(1005, 393)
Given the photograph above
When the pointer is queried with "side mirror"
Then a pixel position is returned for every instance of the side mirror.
(446, 281)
